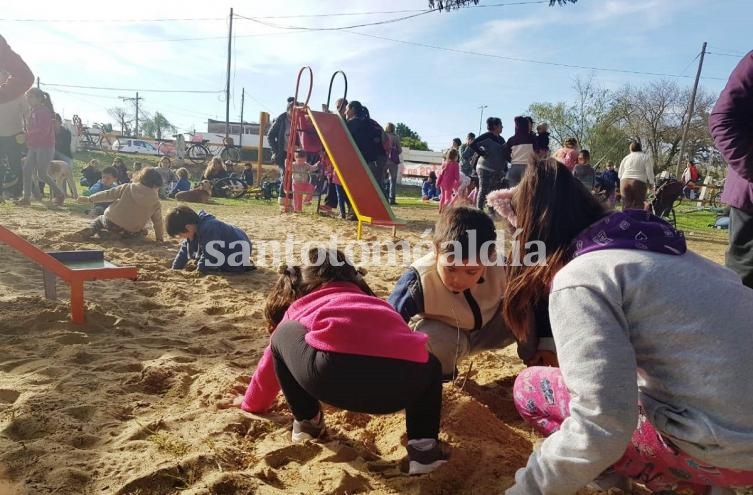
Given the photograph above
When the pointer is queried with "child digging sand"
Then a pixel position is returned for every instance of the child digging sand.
(333, 341)
(655, 383)
(215, 245)
(454, 295)
(133, 204)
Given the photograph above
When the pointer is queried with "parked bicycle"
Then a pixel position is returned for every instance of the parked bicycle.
(101, 140)
(198, 152)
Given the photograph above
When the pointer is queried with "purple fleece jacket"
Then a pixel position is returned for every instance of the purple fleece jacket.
(731, 125)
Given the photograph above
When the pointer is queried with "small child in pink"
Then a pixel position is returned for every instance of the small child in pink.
(303, 189)
(449, 179)
(334, 341)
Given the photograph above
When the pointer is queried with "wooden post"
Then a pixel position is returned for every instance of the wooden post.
(689, 117)
(50, 284)
(77, 301)
(263, 121)
(704, 191)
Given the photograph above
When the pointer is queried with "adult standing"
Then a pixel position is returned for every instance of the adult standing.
(466, 156)
(62, 141)
(731, 125)
(521, 149)
(15, 80)
(367, 137)
(636, 174)
(393, 159)
(690, 180)
(381, 149)
(492, 161)
(277, 137)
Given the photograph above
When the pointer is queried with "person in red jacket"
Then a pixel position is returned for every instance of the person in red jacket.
(20, 76)
(334, 341)
(40, 140)
(15, 80)
(731, 125)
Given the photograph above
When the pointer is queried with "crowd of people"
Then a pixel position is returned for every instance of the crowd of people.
(635, 372)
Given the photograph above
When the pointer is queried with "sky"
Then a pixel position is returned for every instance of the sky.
(505, 55)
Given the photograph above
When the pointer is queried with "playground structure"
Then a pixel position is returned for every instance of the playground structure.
(73, 267)
(336, 144)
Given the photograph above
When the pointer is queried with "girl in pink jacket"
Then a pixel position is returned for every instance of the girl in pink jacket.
(40, 141)
(449, 179)
(334, 341)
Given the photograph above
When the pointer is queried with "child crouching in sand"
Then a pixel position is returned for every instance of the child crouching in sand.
(215, 245)
(455, 295)
(133, 204)
(334, 341)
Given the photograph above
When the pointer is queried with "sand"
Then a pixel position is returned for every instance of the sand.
(126, 403)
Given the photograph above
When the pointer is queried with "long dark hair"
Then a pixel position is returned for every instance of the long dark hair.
(551, 206)
(298, 280)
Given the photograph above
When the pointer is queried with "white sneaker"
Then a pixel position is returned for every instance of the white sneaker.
(423, 459)
(308, 429)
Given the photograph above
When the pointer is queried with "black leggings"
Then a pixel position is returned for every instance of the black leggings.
(366, 384)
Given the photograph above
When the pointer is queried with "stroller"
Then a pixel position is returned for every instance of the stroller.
(668, 195)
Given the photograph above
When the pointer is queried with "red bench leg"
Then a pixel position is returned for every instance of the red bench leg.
(77, 301)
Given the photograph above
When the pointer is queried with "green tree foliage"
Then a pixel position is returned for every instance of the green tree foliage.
(410, 138)
(605, 121)
(157, 125)
(414, 144)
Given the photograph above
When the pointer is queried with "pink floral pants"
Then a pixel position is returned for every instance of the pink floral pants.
(542, 399)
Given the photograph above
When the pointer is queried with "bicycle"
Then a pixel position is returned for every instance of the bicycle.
(101, 141)
(716, 196)
(231, 187)
(198, 152)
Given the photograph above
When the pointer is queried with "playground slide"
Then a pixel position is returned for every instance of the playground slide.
(368, 203)
(74, 267)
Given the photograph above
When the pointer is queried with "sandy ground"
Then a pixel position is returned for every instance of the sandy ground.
(126, 404)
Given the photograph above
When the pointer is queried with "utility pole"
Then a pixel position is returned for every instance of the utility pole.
(481, 119)
(227, 86)
(243, 101)
(136, 104)
(38, 83)
(691, 108)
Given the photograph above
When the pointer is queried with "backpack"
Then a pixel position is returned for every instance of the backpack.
(394, 156)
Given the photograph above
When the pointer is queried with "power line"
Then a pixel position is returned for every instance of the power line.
(690, 63)
(123, 21)
(526, 60)
(337, 28)
(724, 54)
(413, 13)
(132, 89)
(292, 16)
(728, 50)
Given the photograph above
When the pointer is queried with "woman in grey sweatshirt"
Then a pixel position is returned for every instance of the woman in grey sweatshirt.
(655, 383)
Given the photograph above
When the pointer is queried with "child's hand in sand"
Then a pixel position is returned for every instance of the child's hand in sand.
(230, 402)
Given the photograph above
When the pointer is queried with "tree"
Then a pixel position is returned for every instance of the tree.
(590, 119)
(157, 125)
(122, 118)
(414, 144)
(403, 131)
(656, 114)
(410, 138)
(456, 4)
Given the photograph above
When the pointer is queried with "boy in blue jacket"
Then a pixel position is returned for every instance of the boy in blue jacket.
(109, 176)
(215, 245)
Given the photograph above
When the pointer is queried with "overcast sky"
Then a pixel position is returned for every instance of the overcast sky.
(434, 91)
